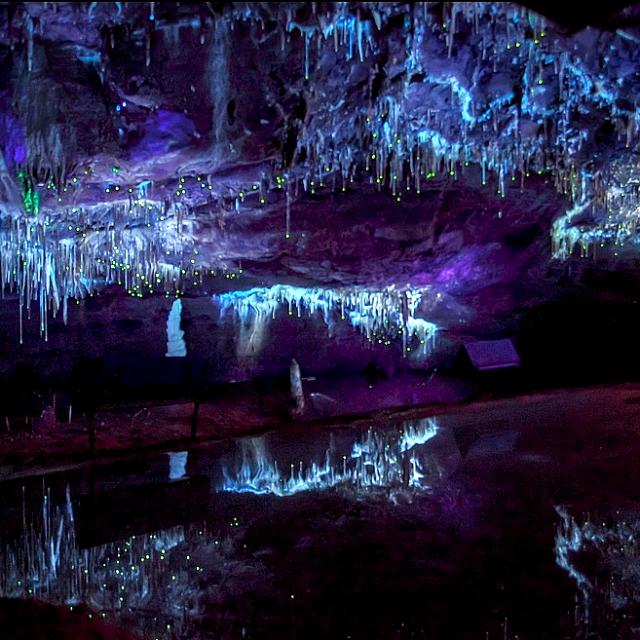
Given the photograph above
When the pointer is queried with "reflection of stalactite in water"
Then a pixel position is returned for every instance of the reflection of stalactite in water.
(569, 540)
(382, 459)
(140, 573)
(158, 574)
(604, 560)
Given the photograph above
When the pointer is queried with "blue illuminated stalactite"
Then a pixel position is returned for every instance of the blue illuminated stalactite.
(383, 142)
(382, 316)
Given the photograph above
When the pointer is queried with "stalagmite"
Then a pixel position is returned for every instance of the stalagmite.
(176, 346)
(297, 393)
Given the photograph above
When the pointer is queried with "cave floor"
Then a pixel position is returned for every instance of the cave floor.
(231, 410)
(249, 408)
(455, 537)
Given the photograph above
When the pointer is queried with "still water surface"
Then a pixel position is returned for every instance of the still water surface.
(425, 529)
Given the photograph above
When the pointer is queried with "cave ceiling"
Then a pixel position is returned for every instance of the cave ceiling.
(183, 148)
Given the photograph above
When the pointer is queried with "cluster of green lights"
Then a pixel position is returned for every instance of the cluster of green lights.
(30, 196)
(142, 285)
(386, 337)
(181, 190)
(115, 187)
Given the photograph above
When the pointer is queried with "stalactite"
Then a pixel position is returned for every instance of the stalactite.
(394, 148)
(379, 315)
(29, 27)
(50, 270)
(287, 232)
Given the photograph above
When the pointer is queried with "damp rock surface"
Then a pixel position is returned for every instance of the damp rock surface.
(467, 155)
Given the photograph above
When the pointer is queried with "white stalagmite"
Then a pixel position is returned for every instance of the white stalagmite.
(176, 347)
(178, 464)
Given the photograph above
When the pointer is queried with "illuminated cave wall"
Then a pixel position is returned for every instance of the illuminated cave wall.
(170, 150)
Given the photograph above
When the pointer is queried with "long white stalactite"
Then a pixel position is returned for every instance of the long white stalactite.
(135, 246)
(380, 315)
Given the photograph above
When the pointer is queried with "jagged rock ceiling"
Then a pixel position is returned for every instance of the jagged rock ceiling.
(386, 146)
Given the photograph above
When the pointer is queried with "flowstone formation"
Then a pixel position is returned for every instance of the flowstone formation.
(170, 148)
